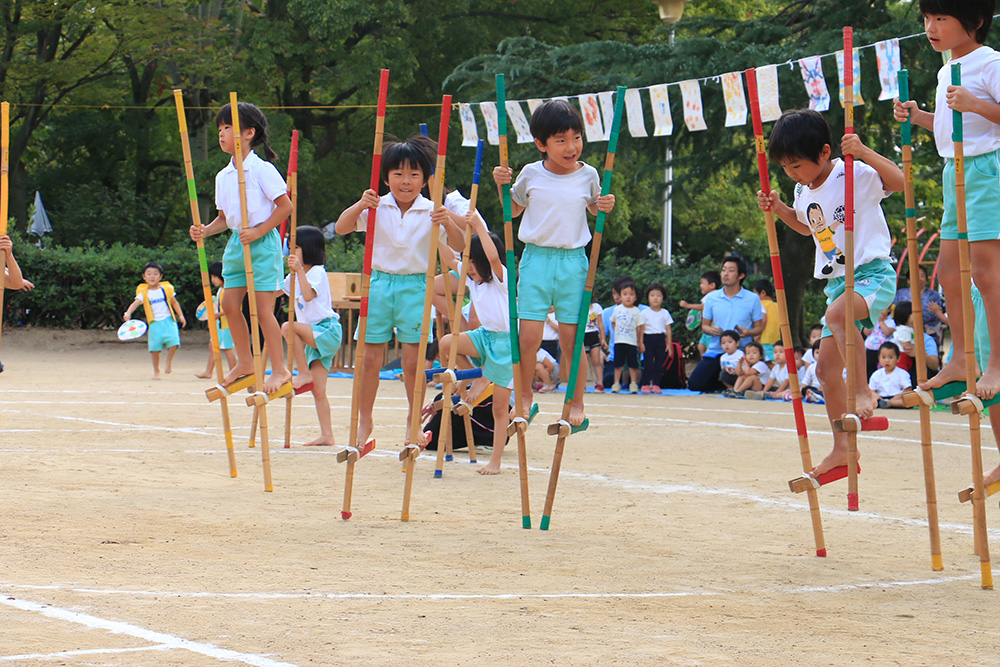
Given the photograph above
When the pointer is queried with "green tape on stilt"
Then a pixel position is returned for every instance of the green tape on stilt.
(911, 213)
(202, 260)
(192, 190)
(963, 236)
(949, 390)
(544, 525)
(582, 426)
(526, 522)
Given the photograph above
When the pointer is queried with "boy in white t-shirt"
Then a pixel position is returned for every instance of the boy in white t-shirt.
(162, 313)
(729, 359)
(657, 337)
(961, 28)
(777, 383)
(801, 143)
(628, 322)
(890, 381)
(752, 371)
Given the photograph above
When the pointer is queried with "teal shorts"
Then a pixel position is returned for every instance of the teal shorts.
(705, 339)
(225, 338)
(163, 334)
(395, 301)
(982, 198)
(982, 331)
(328, 335)
(265, 253)
(493, 348)
(551, 277)
(768, 351)
(875, 282)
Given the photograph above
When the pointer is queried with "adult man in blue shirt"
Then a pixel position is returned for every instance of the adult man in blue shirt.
(731, 307)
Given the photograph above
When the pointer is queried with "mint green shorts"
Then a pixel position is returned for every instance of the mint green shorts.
(982, 331)
(163, 334)
(328, 335)
(395, 301)
(493, 349)
(265, 253)
(875, 282)
(551, 277)
(225, 339)
(982, 198)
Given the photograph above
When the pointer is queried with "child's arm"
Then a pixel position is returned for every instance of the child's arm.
(691, 306)
(891, 175)
(670, 342)
(307, 291)
(283, 209)
(348, 220)
(638, 335)
(605, 203)
(741, 366)
(131, 308)
(217, 226)
(903, 110)
(783, 211)
(473, 219)
(503, 177)
(960, 99)
(13, 278)
(177, 309)
(769, 384)
(455, 234)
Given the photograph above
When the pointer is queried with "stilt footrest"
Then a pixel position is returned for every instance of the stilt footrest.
(563, 428)
(353, 454)
(912, 399)
(304, 388)
(467, 374)
(965, 495)
(804, 483)
(854, 424)
(409, 449)
(970, 404)
(218, 391)
(520, 423)
(259, 398)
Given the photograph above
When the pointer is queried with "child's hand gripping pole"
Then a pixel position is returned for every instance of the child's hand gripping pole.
(206, 284)
(786, 331)
(965, 272)
(293, 195)
(411, 451)
(849, 344)
(353, 453)
(258, 365)
(562, 427)
(520, 420)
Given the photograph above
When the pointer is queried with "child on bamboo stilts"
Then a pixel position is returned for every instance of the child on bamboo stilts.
(267, 205)
(221, 323)
(403, 225)
(961, 26)
(162, 313)
(801, 144)
(317, 329)
(487, 285)
(555, 195)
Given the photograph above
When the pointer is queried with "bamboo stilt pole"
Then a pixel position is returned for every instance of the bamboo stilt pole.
(515, 343)
(293, 194)
(786, 330)
(412, 450)
(926, 441)
(965, 270)
(849, 352)
(258, 359)
(352, 457)
(206, 284)
(4, 193)
(588, 292)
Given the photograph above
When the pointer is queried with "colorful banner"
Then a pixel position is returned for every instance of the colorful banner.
(694, 114)
(887, 54)
(470, 135)
(489, 110)
(515, 114)
(533, 104)
(858, 101)
(736, 103)
(607, 100)
(592, 117)
(812, 75)
(663, 124)
(767, 91)
(633, 111)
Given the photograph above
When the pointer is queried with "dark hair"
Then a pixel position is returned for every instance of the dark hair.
(799, 134)
(712, 277)
(313, 245)
(730, 333)
(215, 269)
(799, 350)
(250, 118)
(153, 265)
(764, 285)
(629, 284)
(417, 151)
(901, 314)
(553, 117)
(616, 284)
(889, 345)
(815, 345)
(754, 344)
(477, 255)
(815, 327)
(656, 287)
(968, 12)
(741, 266)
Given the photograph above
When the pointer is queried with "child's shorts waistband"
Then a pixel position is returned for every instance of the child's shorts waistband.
(556, 252)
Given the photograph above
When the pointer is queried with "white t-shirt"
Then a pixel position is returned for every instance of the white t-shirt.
(491, 301)
(542, 355)
(550, 332)
(627, 322)
(888, 385)
(728, 362)
(871, 235)
(158, 302)
(263, 184)
(656, 321)
(320, 307)
(981, 77)
(763, 371)
(402, 242)
(555, 213)
(779, 374)
(808, 377)
(595, 315)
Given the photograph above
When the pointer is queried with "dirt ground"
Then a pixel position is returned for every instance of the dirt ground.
(674, 538)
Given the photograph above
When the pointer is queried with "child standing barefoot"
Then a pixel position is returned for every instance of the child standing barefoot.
(267, 206)
(555, 195)
(221, 324)
(162, 312)
(801, 143)
(317, 326)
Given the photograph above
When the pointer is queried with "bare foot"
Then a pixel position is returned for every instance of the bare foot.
(303, 378)
(241, 369)
(835, 459)
(865, 403)
(477, 387)
(525, 409)
(365, 428)
(576, 414)
(491, 468)
(953, 371)
(203, 376)
(273, 382)
(169, 367)
(321, 441)
(156, 377)
(988, 384)
(992, 476)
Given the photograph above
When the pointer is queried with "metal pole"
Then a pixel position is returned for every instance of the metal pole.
(668, 192)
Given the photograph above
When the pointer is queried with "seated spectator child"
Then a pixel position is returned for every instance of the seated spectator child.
(890, 381)
(876, 336)
(808, 382)
(730, 357)
(546, 372)
(752, 370)
(815, 334)
(778, 383)
(903, 337)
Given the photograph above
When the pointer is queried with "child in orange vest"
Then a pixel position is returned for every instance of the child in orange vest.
(162, 312)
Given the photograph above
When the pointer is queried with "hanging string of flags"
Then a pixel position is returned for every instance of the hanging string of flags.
(598, 108)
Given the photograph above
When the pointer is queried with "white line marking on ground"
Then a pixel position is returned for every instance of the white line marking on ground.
(69, 654)
(160, 638)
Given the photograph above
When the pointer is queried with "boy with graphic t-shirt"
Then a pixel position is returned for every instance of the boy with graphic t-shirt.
(162, 312)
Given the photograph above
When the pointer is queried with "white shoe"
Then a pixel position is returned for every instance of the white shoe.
(633, 388)
(616, 388)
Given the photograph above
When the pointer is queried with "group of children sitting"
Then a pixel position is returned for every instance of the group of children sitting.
(748, 373)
